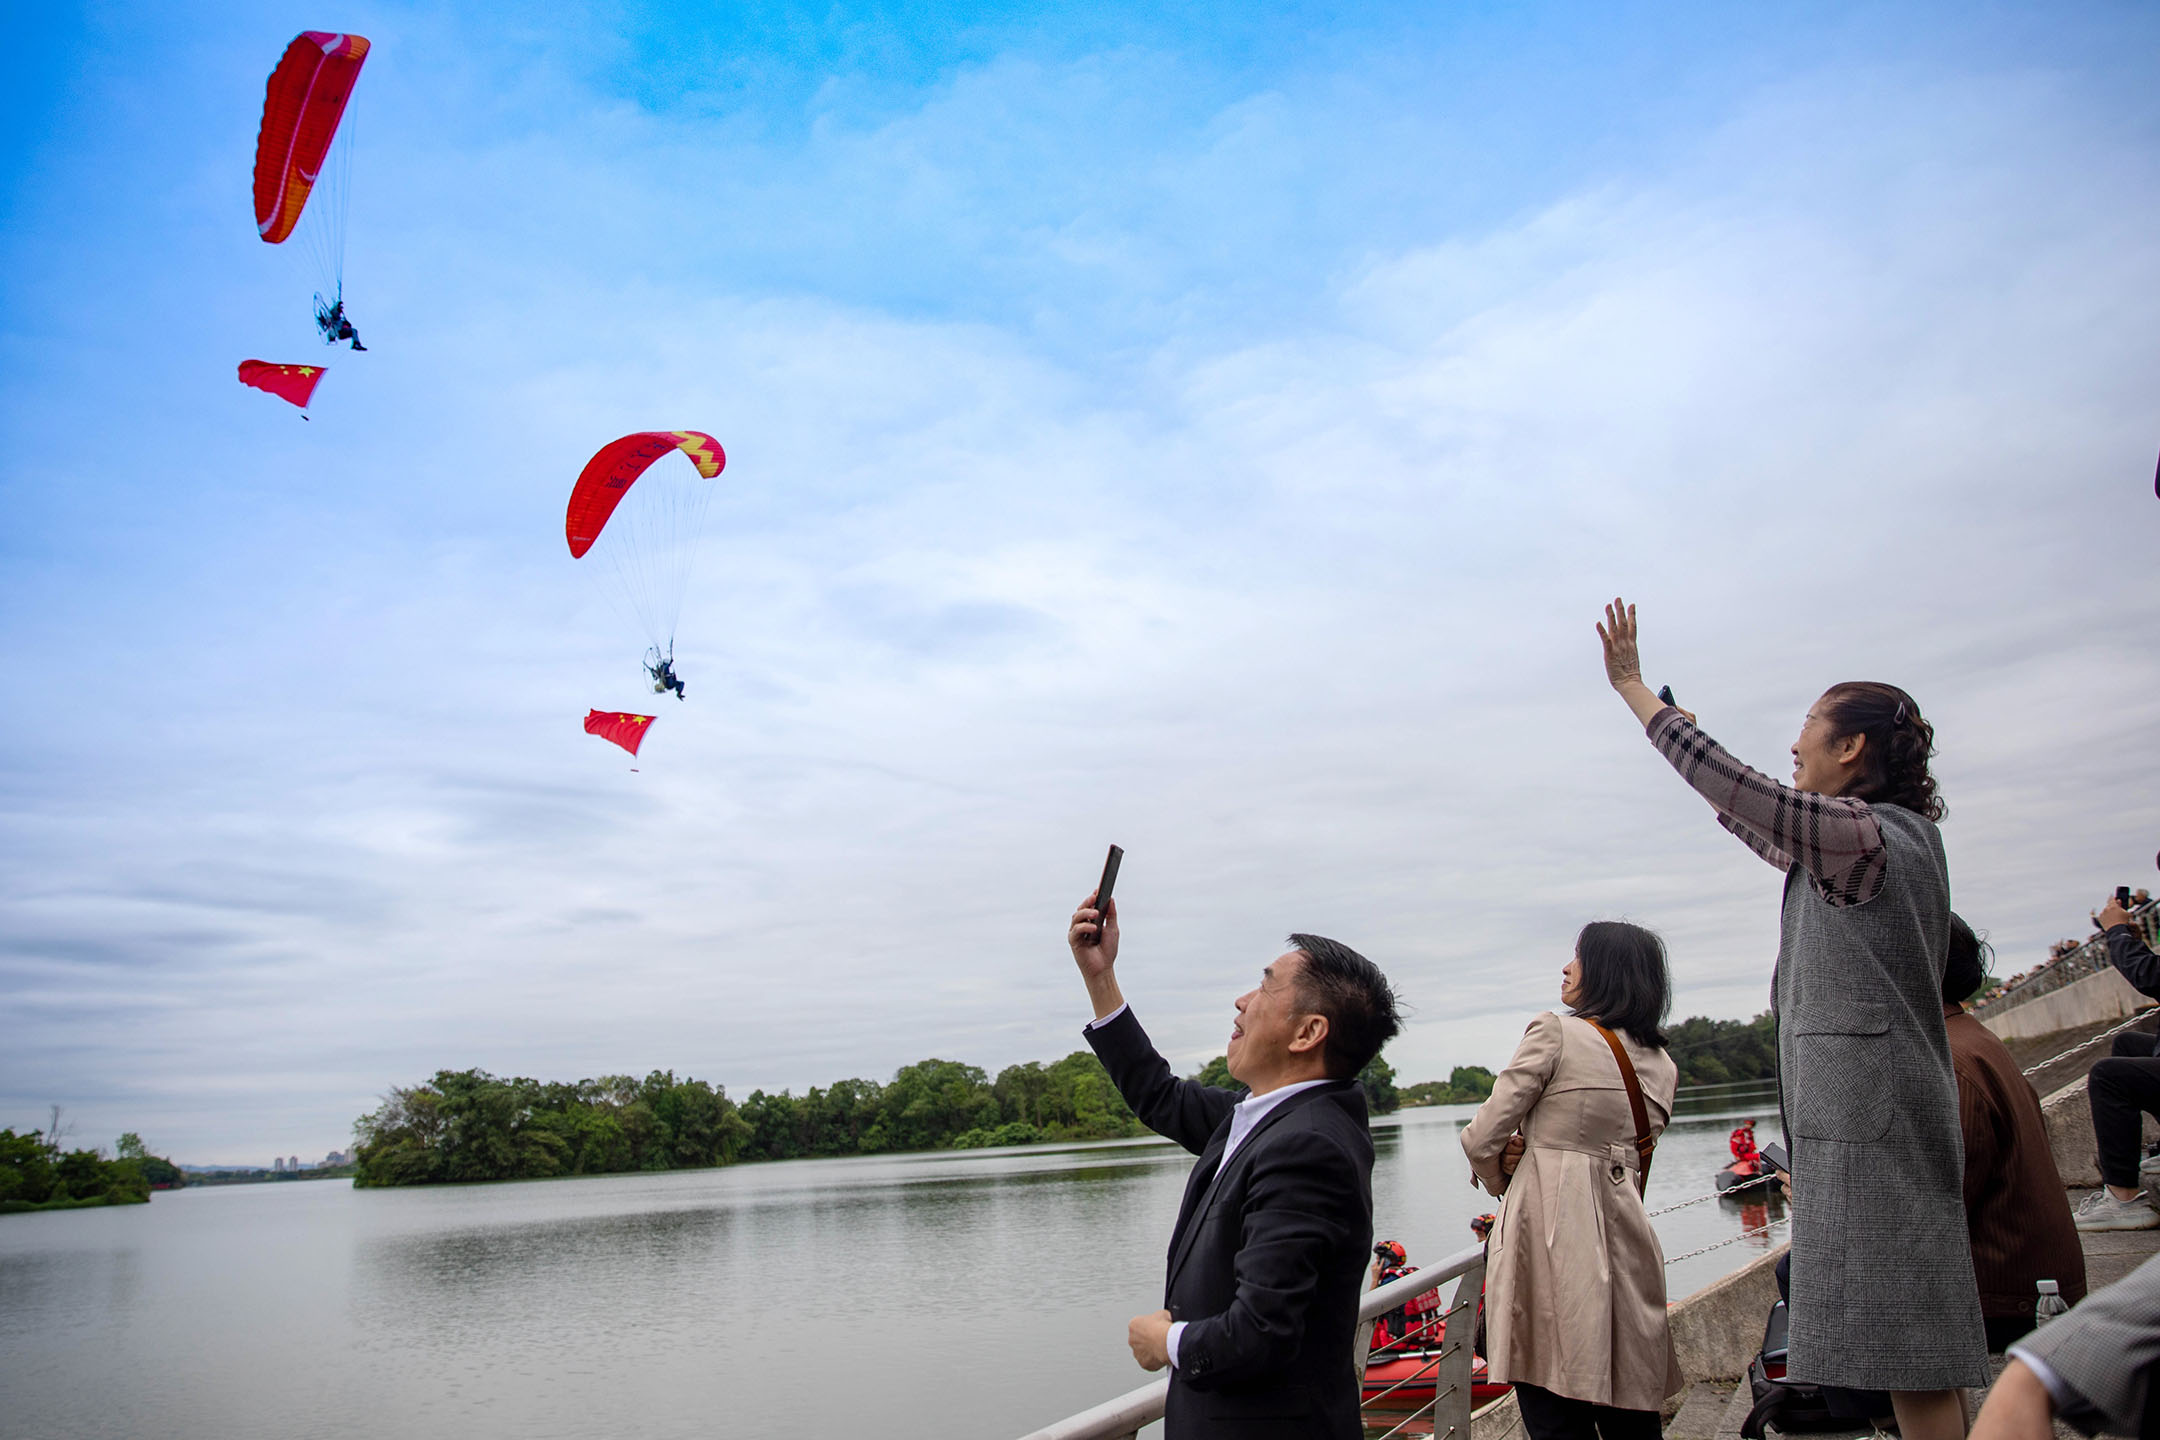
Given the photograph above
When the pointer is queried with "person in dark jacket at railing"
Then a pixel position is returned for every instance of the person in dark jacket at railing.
(1268, 1256)
(2123, 1089)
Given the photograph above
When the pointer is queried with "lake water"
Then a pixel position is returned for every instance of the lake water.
(968, 1294)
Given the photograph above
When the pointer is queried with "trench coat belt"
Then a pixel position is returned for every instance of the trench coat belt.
(1620, 1153)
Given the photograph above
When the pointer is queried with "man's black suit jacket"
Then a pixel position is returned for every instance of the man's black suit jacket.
(1268, 1259)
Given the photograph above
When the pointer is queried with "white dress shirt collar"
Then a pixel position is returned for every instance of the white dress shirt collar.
(1252, 1110)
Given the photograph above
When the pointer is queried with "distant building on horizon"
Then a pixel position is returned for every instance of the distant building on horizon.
(277, 1163)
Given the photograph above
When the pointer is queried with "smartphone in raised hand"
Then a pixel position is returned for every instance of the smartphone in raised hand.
(1102, 891)
(1774, 1152)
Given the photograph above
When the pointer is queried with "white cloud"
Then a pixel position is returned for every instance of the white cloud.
(1297, 611)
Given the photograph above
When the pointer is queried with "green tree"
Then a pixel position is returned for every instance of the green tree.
(1713, 1052)
(463, 1125)
(1020, 1091)
(35, 1172)
(773, 1127)
(931, 1101)
(1082, 1103)
(155, 1170)
(1466, 1085)
(1378, 1078)
(26, 1173)
(1217, 1073)
(1471, 1083)
(468, 1125)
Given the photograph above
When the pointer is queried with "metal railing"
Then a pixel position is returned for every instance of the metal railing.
(1121, 1419)
(2072, 966)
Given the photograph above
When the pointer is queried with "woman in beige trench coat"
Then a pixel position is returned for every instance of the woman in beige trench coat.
(1575, 1289)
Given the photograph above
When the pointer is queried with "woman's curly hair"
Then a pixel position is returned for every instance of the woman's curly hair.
(1894, 762)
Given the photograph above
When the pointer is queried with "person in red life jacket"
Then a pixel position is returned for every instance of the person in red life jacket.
(1746, 1159)
(1391, 1262)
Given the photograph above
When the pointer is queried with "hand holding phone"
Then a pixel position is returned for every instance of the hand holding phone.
(1093, 937)
(2116, 911)
(1103, 888)
(1774, 1155)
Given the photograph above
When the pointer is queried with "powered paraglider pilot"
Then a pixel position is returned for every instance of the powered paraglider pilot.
(662, 669)
(335, 324)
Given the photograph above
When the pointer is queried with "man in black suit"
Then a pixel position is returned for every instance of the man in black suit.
(1268, 1257)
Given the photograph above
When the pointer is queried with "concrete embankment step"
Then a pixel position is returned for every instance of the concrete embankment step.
(1700, 1413)
(2112, 1254)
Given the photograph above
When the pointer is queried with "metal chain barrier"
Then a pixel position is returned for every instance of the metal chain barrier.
(2032, 1070)
(1763, 1179)
(1732, 1240)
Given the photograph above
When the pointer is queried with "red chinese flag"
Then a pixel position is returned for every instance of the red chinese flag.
(288, 382)
(620, 726)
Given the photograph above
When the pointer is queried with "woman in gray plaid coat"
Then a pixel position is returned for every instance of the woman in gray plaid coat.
(1883, 1295)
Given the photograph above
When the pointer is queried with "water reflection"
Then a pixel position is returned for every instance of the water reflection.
(973, 1294)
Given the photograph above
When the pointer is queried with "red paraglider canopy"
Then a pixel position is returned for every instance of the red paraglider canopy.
(306, 99)
(608, 476)
(620, 726)
(295, 383)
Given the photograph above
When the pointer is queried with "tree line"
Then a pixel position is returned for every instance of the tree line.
(1712, 1052)
(1706, 1051)
(37, 1174)
(1465, 1085)
(467, 1125)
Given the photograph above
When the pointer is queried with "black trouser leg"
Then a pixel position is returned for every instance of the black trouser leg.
(2122, 1088)
(1617, 1424)
(1555, 1417)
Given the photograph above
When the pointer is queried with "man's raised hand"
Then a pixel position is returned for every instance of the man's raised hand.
(1093, 937)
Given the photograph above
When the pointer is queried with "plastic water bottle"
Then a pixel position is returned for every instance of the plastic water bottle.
(2049, 1305)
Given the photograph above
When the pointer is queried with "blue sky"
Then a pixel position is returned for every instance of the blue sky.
(1211, 429)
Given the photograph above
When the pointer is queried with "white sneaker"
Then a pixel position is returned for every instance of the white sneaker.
(2102, 1211)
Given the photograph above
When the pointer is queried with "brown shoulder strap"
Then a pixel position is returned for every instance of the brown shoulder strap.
(1643, 1143)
